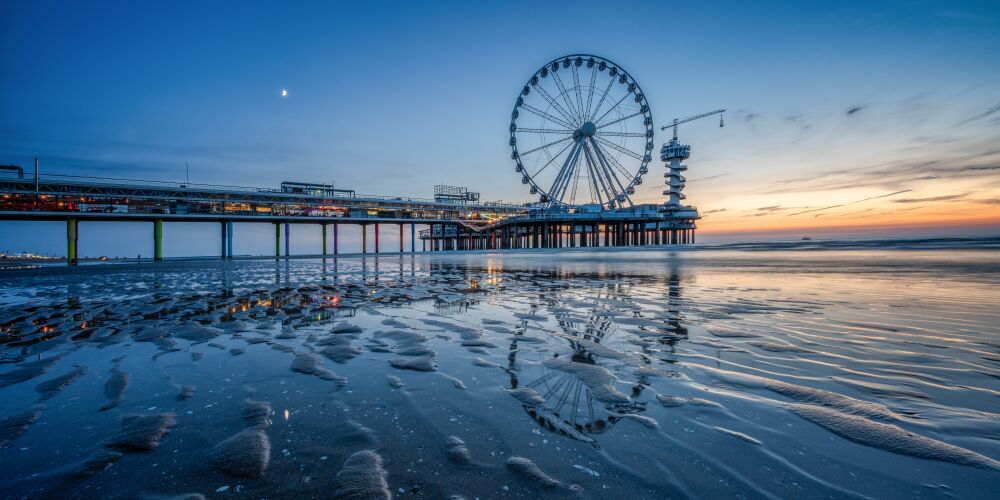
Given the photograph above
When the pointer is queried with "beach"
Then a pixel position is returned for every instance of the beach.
(791, 370)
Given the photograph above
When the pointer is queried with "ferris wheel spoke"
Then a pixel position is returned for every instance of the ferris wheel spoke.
(612, 108)
(612, 161)
(553, 189)
(618, 148)
(637, 113)
(621, 134)
(600, 174)
(552, 102)
(565, 95)
(590, 95)
(576, 180)
(545, 130)
(593, 171)
(551, 160)
(543, 146)
(543, 114)
(562, 179)
(603, 97)
(606, 174)
(608, 168)
(568, 178)
(579, 98)
(618, 166)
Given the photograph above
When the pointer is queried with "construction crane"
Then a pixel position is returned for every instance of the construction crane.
(678, 121)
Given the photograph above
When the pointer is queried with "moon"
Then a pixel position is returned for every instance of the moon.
(284, 92)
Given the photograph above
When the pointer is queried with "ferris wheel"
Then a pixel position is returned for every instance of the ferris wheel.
(581, 133)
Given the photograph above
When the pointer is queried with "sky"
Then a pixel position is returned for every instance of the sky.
(844, 118)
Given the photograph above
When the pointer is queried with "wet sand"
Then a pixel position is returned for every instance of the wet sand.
(750, 372)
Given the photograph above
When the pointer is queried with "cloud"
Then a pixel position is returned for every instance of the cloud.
(850, 203)
(798, 120)
(702, 179)
(950, 197)
(717, 210)
(855, 109)
(769, 209)
(750, 117)
(897, 175)
(982, 115)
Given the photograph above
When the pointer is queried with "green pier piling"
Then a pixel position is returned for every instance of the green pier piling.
(72, 237)
(158, 239)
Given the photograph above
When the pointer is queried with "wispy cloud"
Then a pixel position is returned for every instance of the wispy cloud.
(702, 179)
(897, 175)
(849, 203)
(949, 197)
(799, 121)
(982, 115)
(855, 109)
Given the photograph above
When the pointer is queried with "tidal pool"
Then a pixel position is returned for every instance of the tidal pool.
(628, 373)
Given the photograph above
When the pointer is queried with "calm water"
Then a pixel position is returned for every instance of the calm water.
(792, 371)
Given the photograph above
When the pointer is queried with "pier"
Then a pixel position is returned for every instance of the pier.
(598, 141)
(453, 222)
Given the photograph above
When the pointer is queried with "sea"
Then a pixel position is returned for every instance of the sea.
(802, 369)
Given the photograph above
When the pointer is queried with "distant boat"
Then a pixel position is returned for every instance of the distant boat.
(806, 238)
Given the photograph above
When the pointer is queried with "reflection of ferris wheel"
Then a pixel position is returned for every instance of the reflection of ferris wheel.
(581, 133)
(569, 406)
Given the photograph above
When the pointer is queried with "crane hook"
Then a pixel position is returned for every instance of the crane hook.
(722, 120)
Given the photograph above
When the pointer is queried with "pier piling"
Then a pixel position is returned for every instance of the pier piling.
(288, 239)
(158, 239)
(277, 239)
(71, 241)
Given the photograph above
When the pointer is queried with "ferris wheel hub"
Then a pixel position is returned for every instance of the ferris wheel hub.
(588, 129)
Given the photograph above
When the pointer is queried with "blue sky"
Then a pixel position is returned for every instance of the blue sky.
(393, 98)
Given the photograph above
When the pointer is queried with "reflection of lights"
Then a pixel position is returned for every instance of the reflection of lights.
(286, 414)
